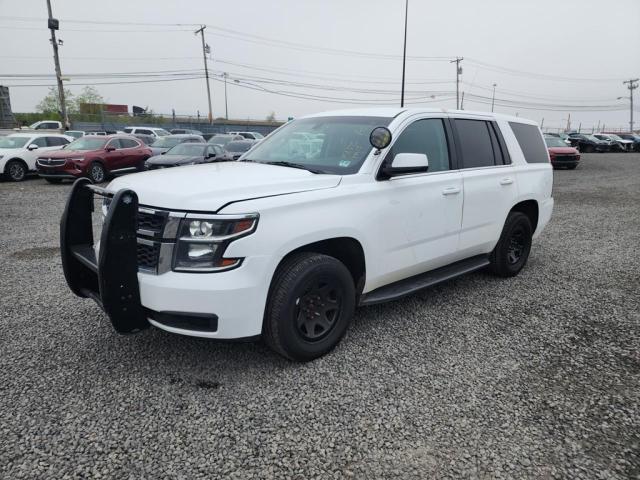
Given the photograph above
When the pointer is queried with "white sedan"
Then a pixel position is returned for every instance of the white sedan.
(19, 151)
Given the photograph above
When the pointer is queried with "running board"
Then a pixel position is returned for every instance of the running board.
(418, 282)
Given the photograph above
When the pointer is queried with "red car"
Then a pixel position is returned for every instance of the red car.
(94, 157)
(561, 154)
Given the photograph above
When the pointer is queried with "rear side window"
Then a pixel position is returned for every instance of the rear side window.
(530, 141)
(424, 136)
(128, 130)
(56, 141)
(144, 131)
(476, 143)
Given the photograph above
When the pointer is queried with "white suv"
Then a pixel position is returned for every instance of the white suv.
(249, 135)
(286, 242)
(19, 151)
(155, 132)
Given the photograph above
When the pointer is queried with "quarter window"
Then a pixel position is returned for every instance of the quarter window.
(530, 141)
(476, 143)
(424, 136)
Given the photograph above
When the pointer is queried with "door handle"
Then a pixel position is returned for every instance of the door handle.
(506, 181)
(450, 191)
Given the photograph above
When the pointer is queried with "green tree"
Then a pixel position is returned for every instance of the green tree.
(88, 95)
(51, 103)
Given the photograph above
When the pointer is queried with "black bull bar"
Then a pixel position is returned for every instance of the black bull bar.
(112, 278)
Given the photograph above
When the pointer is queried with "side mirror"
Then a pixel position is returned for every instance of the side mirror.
(33, 146)
(406, 163)
(110, 148)
(162, 153)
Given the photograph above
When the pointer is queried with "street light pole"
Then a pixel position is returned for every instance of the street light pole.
(53, 26)
(632, 85)
(206, 68)
(458, 73)
(226, 105)
(404, 52)
(493, 98)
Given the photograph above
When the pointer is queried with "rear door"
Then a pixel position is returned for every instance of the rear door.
(131, 153)
(490, 184)
(114, 159)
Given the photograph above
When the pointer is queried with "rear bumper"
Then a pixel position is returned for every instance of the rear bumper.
(545, 209)
(224, 305)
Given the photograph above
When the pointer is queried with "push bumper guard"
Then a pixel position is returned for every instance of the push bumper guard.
(112, 278)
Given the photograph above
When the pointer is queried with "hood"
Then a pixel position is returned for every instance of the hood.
(174, 159)
(208, 187)
(562, 150)
(10, 152)
(157, 150)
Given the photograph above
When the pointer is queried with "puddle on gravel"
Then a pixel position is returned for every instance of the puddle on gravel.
(36, 253)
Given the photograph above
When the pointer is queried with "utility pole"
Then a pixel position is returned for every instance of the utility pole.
(54, 25)
(458, 73)
(205, 50)
(226, 105)
(462, 102)
(404, 51)
(632, 85)
(493, 98)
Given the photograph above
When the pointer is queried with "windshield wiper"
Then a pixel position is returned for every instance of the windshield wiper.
(294, 165)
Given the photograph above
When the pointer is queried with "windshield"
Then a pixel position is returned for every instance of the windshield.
(13, 142)
(167, 142)
(592, 137)
(221, 139)
(614, 137)
(187, 149)
(326, 144)
(238, 146)
(90, 142)
(258, 135)
(74, 134)
(161, 132)
(554, 142)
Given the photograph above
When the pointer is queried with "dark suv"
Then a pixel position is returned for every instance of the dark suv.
(94, 157)
(588, 143)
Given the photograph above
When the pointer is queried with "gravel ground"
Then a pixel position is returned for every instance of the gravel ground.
(536, 376)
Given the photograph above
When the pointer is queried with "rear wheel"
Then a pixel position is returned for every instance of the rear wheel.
(311, 303)
(97, 173)
(512, 251)
(16, 170)
(54, 180)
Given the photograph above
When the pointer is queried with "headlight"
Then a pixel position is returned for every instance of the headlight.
(202, 242)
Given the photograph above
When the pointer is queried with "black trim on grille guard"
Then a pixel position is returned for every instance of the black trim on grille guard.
(112, 279)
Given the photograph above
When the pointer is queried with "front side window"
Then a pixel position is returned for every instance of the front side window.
(114, 143)
(475, 143)
(337, 145)
(128, 143)
(424, 136)
(530, 142)
(56, 141)
(40, 142)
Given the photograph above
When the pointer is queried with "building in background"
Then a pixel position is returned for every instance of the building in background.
(7, 120)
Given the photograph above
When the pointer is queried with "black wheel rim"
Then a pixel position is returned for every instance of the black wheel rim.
(16, 171)
(97, 174)
(318, 309)
(517, 245)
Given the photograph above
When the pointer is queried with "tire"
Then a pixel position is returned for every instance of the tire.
(97, 173)
(310, 306)
(512, 251)
(54, 181)
(15, 170)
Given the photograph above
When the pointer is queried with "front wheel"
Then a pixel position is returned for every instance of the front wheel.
(16, 170)
(310, 306)
(97, 173)
(512, 251)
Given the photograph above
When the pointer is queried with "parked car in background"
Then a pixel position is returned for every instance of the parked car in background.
(588, 143)
(95, 157)
(249, 135)
(96, 133)
(178, 131)
(561, 154)
(222, 139)
(235, 149)
(75, 133)
(43, 125)
(19, 151)
(562, 136)
(286, 246)
(163, 144)
(156, 132)
(634, 138)
(146, 139)
(616, 143)
(186, 154)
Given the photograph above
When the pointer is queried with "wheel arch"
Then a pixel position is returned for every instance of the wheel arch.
(531, 209)
(15, 159)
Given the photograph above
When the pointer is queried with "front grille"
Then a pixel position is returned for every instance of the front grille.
(148, 256)
(51, 162)
(565, 158)
(152, 221)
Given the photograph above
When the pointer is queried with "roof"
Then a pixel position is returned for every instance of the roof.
(35, 134)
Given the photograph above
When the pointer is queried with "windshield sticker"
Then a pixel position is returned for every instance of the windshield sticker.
(345, 163)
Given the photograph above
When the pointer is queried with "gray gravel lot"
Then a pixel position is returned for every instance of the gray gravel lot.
(536, 376)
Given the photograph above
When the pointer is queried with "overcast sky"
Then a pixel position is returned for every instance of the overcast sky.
(558, 53)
